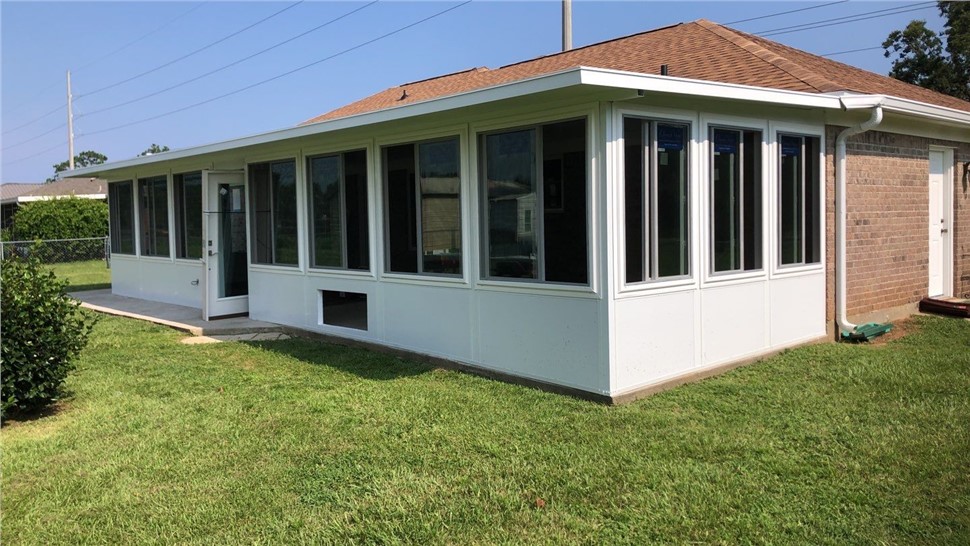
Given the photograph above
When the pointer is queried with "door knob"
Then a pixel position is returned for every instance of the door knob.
(944, 230)
(211, 253)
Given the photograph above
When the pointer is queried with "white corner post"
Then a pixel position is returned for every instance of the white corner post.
(840, 216)
(70, 124)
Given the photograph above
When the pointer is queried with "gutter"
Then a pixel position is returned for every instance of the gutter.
(846, 327)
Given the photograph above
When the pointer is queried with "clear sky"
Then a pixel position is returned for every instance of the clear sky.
(121, 52)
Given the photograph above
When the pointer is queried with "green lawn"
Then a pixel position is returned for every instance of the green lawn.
(299, 442)
(87, 275)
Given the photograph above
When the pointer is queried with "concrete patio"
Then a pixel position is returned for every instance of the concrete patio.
(186, 319)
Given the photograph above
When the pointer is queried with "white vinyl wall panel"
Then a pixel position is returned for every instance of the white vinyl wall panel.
(656, 337)
(428, 319)
(734, 321)
(157, 280)
(797, 308)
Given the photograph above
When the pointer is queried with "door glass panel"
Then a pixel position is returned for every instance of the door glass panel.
(232, 245)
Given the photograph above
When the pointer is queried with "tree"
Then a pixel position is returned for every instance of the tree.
(154, 149)
(83, 159)
(940, 62)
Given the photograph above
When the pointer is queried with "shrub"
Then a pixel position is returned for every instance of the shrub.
(43, 330)
(65, 218)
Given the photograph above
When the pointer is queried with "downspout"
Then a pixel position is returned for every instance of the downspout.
(840, 216)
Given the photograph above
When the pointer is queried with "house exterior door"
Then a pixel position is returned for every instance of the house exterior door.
(940, 281)
(225, 244)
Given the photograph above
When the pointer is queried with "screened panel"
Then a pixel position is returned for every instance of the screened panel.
(327, 216)
(634, 169)
(273, 206)
(672, 204)
(122, 218)
(511, 194)
(188, 215)
(153, 196)
(791, 199)
(440, 187)
(356, 207)
(564, 202)
(401, 205)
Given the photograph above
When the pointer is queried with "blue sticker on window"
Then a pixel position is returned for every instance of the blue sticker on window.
(791, 146)
(670, 137)
(726, 141)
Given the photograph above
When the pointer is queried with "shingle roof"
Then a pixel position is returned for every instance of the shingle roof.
(700, 50)
(10, 190)
(71, 186)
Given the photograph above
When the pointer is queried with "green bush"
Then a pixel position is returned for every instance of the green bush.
(65, 218)
(43, 330)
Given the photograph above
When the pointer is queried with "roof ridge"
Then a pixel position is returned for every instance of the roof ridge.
(466, 71)
(742, 40)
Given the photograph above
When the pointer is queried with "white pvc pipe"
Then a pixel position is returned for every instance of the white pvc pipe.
(840, 216)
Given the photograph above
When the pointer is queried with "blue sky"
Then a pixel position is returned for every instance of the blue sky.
(106, 43)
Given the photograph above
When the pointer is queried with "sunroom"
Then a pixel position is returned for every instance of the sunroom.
(572, 230)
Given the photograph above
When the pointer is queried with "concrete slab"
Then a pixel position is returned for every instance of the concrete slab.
(186, 319)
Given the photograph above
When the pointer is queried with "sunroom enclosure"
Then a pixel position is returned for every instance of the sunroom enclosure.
(598, 245)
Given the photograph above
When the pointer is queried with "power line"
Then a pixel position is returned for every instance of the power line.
(234, 63)
(35, 120)
(187, 55)
(784, 12)
(37, 94)
(849, 51)
(278, 76)
(846, 19)
(34, 155)
(61, 126)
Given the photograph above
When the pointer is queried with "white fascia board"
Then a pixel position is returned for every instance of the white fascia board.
(929, 111)
(539, 84)
(701, 88)
(30, 198)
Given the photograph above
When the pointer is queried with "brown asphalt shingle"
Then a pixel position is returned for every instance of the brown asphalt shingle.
(699, 50)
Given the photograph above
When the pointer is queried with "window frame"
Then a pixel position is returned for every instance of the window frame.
(179, 215)
(650, 250)
(480, 135)
(342, 191)
(113, 220)
(777, 132)
(385, 211)
(710, 272)
(152, 215)
(252, 232)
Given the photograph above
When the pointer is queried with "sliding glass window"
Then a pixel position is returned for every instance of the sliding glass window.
(736, 212)
(153, 196)
(273, 202)
(338, 210)
(799, 199)
(187, 189)
(656, 196)
(535, 203)
(121, 210)
(423, 207)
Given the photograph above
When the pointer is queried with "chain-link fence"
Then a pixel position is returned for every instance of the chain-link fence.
(53, 251)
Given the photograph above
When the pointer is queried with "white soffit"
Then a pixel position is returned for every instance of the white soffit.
(559, 80)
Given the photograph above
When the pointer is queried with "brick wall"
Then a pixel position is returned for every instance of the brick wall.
(887, 247)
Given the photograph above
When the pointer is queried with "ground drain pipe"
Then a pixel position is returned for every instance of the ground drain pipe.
(846, 327)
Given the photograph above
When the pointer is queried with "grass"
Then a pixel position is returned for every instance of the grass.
(87, 275)
(301, 442)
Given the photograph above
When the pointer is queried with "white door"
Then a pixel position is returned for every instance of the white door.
(225, 245)
(939, 227)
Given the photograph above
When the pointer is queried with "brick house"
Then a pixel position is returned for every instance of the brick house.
(607, 220)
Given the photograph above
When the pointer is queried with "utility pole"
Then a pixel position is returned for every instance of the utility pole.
(567, 25)
(70, 124)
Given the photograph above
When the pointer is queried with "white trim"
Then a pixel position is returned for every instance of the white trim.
(32, 198)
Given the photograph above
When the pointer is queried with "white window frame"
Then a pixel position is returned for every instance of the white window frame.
(798, 129)
(300, 266)
(169, 214)
(307, 158)
(708, 122)
(174, 219)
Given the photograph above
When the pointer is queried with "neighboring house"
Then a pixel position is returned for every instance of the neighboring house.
(629, 214)
(15, 195)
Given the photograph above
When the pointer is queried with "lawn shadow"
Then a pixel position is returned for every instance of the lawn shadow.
(362, 360)
(34, 414)
(86, 287)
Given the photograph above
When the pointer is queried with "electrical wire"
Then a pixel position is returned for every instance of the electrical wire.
(784, 13)
(846, 19)
(849, 51)
(230, 65)
(35, 120)
(278, 76)
(37, 94)
(58, 145)
(21, 143)
(187, 55)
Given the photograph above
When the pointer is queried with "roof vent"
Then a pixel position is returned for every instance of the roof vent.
(663, 70)
(404, 95)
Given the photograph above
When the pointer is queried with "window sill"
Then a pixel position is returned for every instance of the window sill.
(281, 269)
(157, 259)
(538, 288)
(426, 280)
(657, 287)
(796, 270)
(190, 261)
(734, 278)
(349, 273)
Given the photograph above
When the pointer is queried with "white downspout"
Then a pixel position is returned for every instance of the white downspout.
(840, 216)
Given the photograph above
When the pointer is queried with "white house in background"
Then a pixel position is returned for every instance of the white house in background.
(606, 220)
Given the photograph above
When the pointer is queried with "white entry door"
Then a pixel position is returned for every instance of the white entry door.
(225, 244)
(940, 283)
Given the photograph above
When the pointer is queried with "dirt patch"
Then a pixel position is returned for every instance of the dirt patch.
(901, 328)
